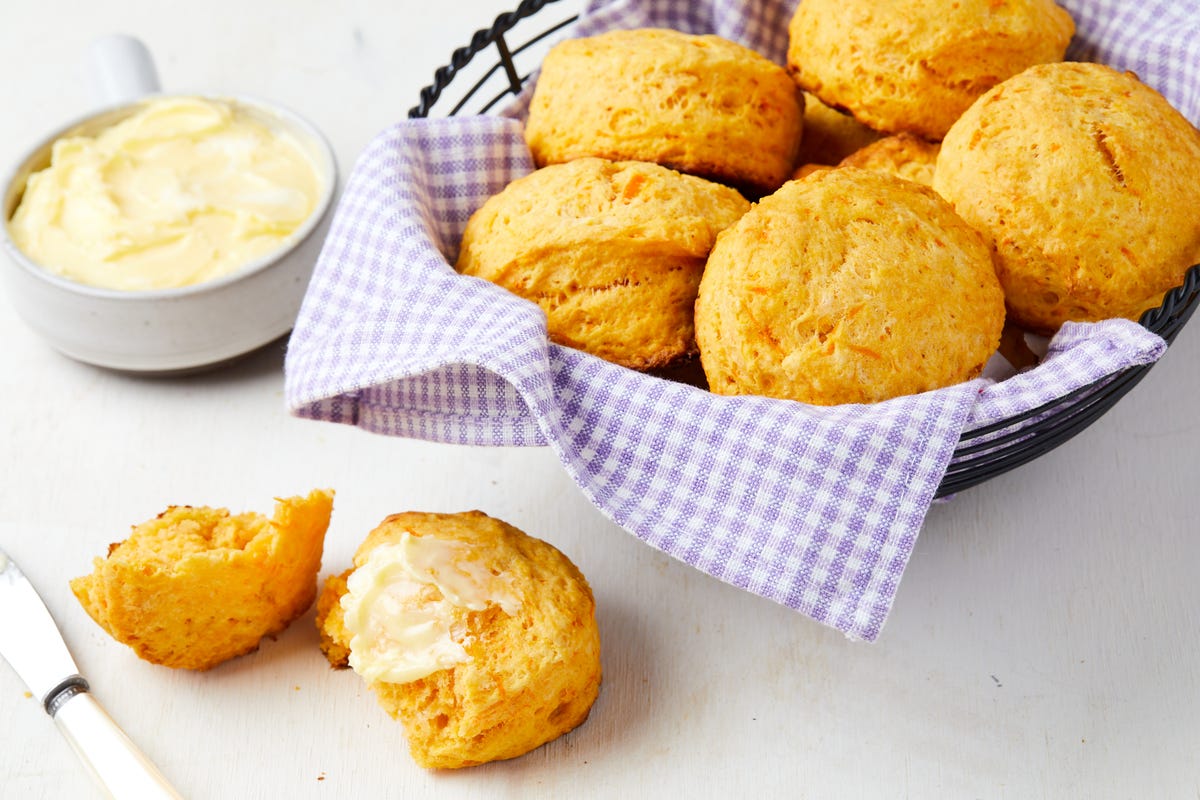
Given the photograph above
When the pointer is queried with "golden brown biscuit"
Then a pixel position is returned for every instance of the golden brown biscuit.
(804, 170)
(829, 134)
(847, 287)
(515, 661)
(902, 154)
(196, 586)
(699, 104)
(1088, 184)
(911, 65)
(612, 252)
(1015, 350)
(335, 641)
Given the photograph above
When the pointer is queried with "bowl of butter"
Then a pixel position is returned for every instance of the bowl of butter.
(167, 233)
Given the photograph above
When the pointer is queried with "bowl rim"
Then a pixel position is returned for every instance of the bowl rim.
(326, 165)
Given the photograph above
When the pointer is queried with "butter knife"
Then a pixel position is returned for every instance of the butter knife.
(32, 645)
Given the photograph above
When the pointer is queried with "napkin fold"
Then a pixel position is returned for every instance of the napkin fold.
(815, 508)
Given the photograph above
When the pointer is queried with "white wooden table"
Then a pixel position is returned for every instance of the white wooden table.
(1044, 642)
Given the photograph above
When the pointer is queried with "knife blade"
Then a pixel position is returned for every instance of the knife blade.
(33, 646)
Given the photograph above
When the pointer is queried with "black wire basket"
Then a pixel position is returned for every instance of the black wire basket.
(982, 453)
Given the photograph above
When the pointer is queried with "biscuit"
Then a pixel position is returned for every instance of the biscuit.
(480, 639)
(196, 586)
(1087, 182)
(334, 640)
(915, 66)
(612, 252)
(804, 170)
(849, 286)
(699, 104)
(829, 134)
(902, 154)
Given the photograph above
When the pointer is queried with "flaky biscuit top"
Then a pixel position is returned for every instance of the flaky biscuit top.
(700, 104)
(1086, 182)
(916, 66)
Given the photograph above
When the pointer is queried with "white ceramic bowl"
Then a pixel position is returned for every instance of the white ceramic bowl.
(168, 330)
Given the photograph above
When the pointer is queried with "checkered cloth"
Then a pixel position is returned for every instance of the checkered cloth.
(815, 508)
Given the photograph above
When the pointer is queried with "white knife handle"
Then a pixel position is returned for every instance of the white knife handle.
(121, 768)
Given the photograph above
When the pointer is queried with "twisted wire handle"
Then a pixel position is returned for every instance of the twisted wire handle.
(481, 40)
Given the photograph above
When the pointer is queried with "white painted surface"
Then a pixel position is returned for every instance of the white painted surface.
(1044, 642)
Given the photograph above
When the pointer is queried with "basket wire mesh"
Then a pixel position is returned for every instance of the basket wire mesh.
(982, 453)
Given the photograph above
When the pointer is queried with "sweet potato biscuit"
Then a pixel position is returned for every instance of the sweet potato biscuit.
(829, 134)
(848, 286)
(1088, 184)
(902, 154)
(804, 170)
(334, 639)
(611, 251)
(197, 586)
(699, 104)
(521, 667)
(912, 65)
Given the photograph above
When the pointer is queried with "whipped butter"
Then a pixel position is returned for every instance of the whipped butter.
(184, 191)
(401, 629)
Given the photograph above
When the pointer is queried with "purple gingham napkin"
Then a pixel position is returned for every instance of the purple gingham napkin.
(815, 508)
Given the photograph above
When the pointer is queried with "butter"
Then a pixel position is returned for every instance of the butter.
(401, 629)
(185, 191)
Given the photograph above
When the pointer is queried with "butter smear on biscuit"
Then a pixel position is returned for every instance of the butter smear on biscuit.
(404, 606)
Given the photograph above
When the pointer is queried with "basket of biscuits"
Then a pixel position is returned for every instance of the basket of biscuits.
(770, 277)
